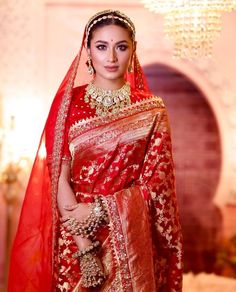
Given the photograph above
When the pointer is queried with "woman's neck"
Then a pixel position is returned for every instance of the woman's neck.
(108, 84)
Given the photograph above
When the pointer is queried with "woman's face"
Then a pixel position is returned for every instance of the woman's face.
(111, 49)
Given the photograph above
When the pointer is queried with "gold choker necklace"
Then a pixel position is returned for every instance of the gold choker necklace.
(107, 101)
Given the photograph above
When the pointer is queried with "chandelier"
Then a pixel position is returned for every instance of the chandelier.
(192, 25)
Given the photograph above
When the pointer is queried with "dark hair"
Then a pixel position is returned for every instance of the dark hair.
(109, 21)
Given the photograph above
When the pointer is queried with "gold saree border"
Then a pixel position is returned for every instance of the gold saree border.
(86, 124)
(57, 151)
(130, 128)
(123, 277)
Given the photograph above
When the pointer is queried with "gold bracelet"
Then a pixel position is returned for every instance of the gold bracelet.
(89, 226)
(92, 273)
(88, 249)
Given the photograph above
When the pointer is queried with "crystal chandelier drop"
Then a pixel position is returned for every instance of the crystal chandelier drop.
(192, 25)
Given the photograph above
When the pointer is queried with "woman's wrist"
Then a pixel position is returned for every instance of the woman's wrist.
(88, 249)
(82, 242)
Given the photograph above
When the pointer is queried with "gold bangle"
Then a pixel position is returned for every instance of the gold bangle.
(88, 249)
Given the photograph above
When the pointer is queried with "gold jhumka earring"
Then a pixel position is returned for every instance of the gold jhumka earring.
(130, 69)
(90, 67)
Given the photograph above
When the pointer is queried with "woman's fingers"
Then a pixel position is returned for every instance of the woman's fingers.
(75, 214)
(63, 219)
(80, 210)
(68, 222)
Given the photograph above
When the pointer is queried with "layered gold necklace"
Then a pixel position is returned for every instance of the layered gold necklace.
(107, 101)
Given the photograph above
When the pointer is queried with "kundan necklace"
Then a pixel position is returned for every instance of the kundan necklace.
(107, 101)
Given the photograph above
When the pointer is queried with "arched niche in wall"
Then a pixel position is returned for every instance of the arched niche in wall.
(197, 153)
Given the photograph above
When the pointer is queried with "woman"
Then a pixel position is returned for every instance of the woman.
(100, 210)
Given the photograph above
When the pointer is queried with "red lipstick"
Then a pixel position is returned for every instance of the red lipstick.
(111, 68)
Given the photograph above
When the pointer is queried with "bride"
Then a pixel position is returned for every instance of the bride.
(100, 210)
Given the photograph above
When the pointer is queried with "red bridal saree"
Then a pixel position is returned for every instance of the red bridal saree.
(125, 157)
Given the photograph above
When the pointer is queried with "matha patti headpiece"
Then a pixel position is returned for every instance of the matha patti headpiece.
(108, 14)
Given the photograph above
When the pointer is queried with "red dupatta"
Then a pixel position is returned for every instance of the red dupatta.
(32, 256)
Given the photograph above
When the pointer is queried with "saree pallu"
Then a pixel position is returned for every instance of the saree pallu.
(126, 157)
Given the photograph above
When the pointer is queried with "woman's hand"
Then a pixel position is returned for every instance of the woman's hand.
(84, 219)
(78, 211)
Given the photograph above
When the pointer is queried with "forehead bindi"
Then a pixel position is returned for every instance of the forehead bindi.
(111, 33)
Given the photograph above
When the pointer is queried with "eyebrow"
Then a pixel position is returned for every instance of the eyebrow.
(104, 42)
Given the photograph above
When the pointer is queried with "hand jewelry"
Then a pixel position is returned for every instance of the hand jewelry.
(92, 273)
(88, 227)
